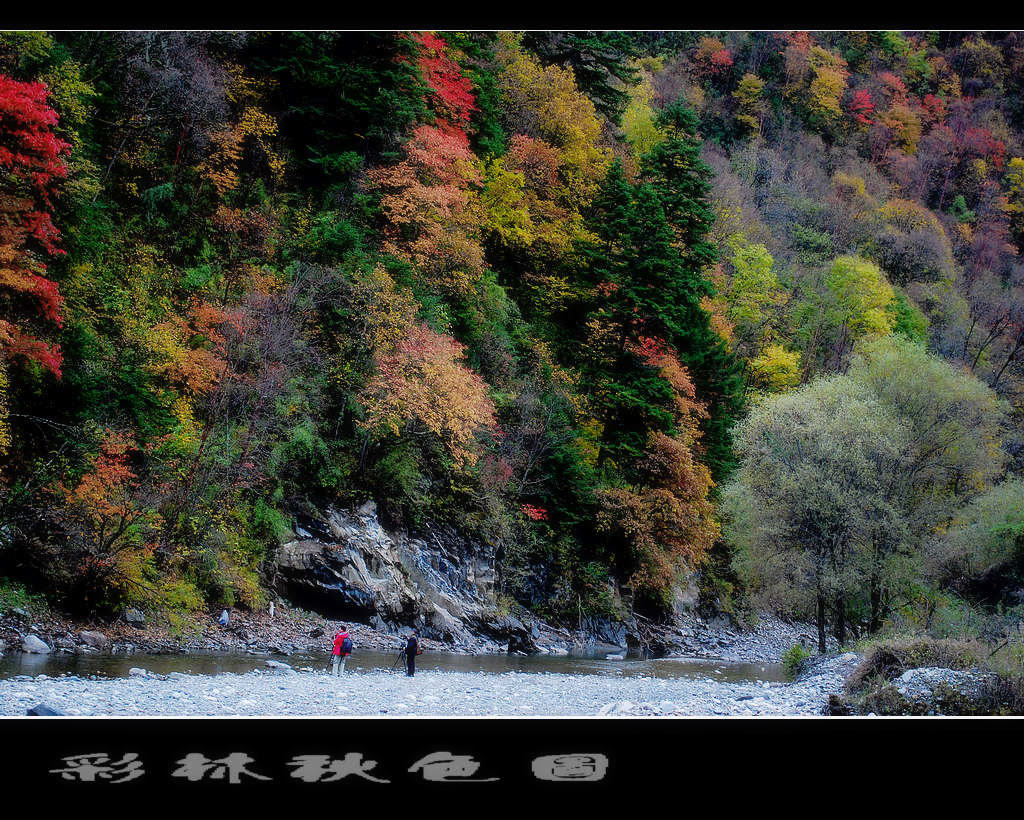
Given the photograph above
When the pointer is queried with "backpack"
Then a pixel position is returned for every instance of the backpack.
(346, 645)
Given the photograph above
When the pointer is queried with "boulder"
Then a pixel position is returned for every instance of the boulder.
(352, 580)
(42, 710)
(510, 630)
(719, 623)
(97, 640)
(277, 666)
(134, 616)
(33, 644)
(137, 672)
(933, 690)
(441, 625)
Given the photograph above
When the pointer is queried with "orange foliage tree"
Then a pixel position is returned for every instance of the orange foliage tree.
(431, 207)
(423, 380)
(107, 516)
(429, 199)
(666, 522)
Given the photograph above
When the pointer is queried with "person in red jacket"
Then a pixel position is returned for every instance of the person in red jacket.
(342, 649)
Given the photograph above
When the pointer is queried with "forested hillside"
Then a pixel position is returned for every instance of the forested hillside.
(633, 308)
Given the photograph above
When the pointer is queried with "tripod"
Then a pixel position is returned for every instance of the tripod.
(399, 660)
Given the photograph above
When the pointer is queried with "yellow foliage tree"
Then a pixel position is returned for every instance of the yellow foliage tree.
(905, 125)
(544, 102)
(861, 294)
(253, 127)
(749, 103)
(828, 82)
(776, 369)
(506, 212)
(639, 120)
(1015, 194)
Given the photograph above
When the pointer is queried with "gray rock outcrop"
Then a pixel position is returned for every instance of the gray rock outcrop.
(345, 565)
(933, 687)
(348, 566)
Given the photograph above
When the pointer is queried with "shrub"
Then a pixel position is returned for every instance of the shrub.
(15, 596)
(887, 660)
(794, 658)
(1002, 694)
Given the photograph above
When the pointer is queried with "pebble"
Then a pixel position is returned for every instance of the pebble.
(431, 692)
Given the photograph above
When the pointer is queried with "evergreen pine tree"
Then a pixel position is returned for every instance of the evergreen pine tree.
(675, 170)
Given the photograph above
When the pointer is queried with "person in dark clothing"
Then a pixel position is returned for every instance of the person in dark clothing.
(412, 649)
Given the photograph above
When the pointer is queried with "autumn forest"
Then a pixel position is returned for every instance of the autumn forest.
(735, 312)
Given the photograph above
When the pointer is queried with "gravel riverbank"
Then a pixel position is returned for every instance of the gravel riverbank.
(292, 630)
(283, 691)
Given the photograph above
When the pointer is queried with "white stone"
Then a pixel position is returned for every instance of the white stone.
(34, 645)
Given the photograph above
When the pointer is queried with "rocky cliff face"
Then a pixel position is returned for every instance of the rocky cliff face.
(347, 566)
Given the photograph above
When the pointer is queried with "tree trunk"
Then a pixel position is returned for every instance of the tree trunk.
(821, 622)
(841, 619)
(876, 603)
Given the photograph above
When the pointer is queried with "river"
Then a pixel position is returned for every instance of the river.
(215, 663)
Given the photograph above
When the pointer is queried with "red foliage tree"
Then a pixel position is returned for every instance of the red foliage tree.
(32, 161)
(982, 143)
(452, 90)
(934, 108)
(721, 60)
(893, 88)
(862, 108)
(534, 513)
